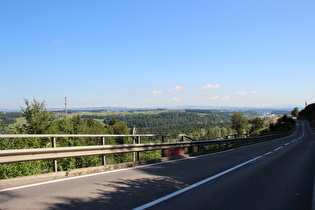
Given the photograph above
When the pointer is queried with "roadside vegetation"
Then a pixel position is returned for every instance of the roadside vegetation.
(308, 113)
(198, 124)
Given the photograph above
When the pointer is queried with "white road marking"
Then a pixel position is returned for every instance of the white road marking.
(268, 153)
(207, 180)
(110, 171)
(195, 185)
(118, 170)
(278, 148)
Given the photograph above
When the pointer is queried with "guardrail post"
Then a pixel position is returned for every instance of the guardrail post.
(134, 153)
(53, 139)
(182, 138)
(163, 140)
(103, 156)
(138, 153)
(191, 148)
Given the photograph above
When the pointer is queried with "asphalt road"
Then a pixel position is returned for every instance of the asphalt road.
(278, 174)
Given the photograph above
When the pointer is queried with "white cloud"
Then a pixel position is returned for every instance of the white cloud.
(240, 93)
(215, 98)
(210, 86)
(176, 89)
(176, 99)
(156, 92)
(225, 98)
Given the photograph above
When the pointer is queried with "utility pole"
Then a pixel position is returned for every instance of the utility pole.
(66, 107)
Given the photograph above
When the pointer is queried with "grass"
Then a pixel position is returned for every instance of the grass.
(19, 121)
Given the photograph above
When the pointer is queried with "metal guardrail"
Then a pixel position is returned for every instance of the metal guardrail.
(85, 135)
(54, 153)
(19, 155)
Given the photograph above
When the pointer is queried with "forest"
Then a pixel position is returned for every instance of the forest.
(198, 124)
(7, 118)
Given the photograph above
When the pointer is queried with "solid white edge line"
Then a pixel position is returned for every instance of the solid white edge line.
(159, 200)
(111, 171)
(195, 185)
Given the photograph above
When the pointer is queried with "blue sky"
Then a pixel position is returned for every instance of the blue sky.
(152, 53)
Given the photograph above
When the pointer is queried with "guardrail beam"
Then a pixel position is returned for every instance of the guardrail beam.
(54, 153)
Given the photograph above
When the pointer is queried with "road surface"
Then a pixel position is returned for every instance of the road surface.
(278, 174)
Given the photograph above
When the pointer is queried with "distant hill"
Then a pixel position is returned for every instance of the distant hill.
(229, 108)
(236, 108)
(10, 110)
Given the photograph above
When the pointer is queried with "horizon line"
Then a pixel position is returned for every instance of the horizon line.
(168, 107)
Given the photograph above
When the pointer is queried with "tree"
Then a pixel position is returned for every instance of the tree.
(308, 113)
(62, 126)
(90, 123)
(284, 123)
(257, 124)
(113, 121)
(214, 132)
(239, 123)
(38, 119)
(295, 112)
(78, 124)
(121, 128)
(1, 126)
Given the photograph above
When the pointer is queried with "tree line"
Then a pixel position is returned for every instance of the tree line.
(205, 124)
(40, 121)
(7, 118)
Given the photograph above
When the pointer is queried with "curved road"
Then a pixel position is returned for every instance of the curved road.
(278, 174)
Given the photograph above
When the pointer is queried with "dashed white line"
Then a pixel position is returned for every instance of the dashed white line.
(195, 185)
(208, 179)
(278, 148)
